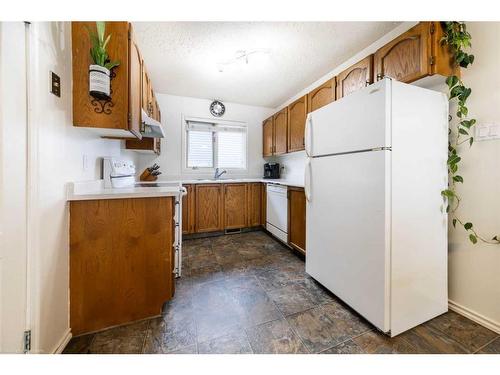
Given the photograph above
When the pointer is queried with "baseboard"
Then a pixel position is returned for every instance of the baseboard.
(63, 342)
(474, 316)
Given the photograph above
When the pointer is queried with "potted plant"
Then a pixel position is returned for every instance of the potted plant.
(100, 70)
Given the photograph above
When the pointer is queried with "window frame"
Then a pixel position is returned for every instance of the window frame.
(205, 170)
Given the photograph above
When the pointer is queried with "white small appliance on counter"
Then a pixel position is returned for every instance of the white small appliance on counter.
(118, 173)
(376, 232)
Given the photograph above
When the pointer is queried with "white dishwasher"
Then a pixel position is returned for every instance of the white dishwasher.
(277, 211)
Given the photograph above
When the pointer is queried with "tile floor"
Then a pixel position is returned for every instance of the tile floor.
(247, 293)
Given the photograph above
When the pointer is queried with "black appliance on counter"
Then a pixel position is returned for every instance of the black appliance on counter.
(272, 170)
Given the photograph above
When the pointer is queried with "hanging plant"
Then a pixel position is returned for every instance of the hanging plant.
(460, 128)
(100, 71)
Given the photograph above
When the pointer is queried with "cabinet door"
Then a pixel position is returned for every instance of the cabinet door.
(106, 274)
(267, 137)
(297, 218)
(146, 89)
(406, 58)
(235, 206)
(209, 208)
(280, 131)
(135, 73)
(157, 146)
(355, 77)
(297, 112)
(263, 205)
(86, 110)
(254, 204)
(188, 210)
(321, 95)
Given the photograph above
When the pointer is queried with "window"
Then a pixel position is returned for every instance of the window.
(211, 145)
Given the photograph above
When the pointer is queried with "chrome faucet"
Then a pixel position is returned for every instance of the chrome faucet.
(217, 174)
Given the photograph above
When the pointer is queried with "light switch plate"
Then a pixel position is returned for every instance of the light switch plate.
(487, 131)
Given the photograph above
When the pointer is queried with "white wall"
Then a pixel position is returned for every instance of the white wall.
(474, 270)
(13, 187)
(173, 108)
(57, 151)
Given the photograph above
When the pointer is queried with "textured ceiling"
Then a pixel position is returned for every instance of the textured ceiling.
(182, 57)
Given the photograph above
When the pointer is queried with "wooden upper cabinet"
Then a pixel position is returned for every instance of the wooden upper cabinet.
(108, 118)
(297, 112)
(209, 208)
(297, 218)
(142, 97)
(355, 77)
(281, 131)
(267, 137)
(414, 54)
(135, 85)
(146, 90)
(321, 95)
(235, 206)
(254, 195)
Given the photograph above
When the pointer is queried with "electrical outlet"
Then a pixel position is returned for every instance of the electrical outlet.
(85, 163)
(55, 84)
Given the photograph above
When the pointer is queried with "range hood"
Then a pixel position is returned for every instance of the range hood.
(150, 128)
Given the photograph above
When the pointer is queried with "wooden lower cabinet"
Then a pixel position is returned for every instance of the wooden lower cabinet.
(121, 261)
(209, 208)
(297, 218)
(263, 206)
(216, 207)
(254, 204)
(188, 210)
(235, 206)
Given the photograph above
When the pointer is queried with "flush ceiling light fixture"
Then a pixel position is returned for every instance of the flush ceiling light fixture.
(243, 57)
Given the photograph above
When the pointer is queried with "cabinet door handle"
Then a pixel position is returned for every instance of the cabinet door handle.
(379, 76)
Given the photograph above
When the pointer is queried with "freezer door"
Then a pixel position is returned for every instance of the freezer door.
(360, 121)
(348, 230)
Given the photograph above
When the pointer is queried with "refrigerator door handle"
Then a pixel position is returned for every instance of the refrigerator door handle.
(308, 135)
(307, 180)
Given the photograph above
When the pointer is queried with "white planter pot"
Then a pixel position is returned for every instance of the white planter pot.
(99, 82)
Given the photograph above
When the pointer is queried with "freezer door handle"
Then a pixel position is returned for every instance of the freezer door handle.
(308, 135)
(307, 180)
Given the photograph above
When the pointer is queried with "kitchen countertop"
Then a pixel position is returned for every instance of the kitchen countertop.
(91, 190)
(242, 180)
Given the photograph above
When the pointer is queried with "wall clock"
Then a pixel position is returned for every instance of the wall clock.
(217, 109)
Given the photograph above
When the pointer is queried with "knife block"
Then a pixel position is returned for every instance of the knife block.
(147, 176)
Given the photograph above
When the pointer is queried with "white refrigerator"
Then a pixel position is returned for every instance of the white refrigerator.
(376, 232)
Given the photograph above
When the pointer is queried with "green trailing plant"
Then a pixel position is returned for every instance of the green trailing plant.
(98, 49)
(458, 40)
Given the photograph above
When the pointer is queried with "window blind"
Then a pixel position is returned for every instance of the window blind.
(231, 149)
(199, 149)
(211, 145)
